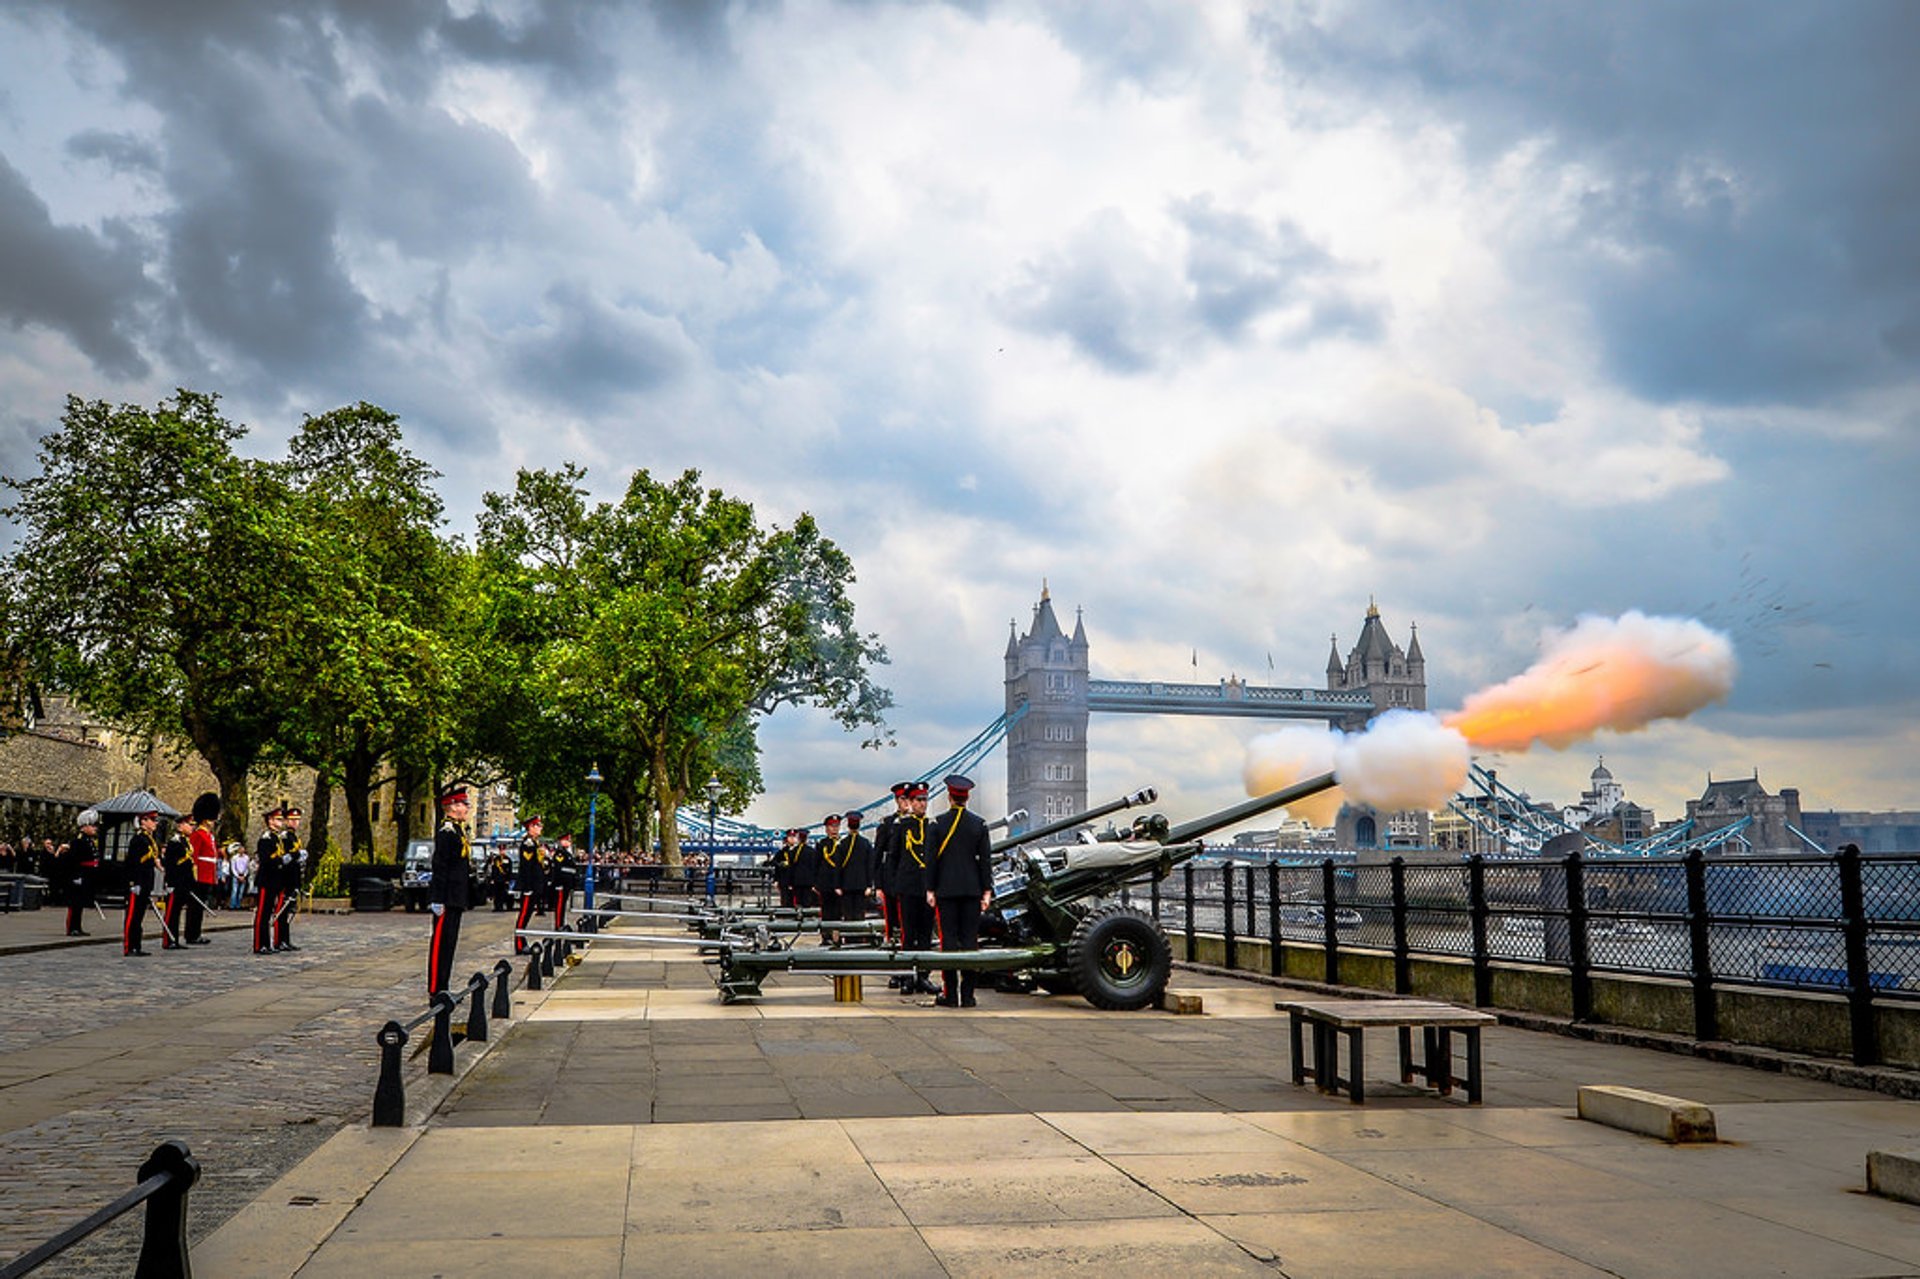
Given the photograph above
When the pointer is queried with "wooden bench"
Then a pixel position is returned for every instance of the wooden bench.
(1329, 1019)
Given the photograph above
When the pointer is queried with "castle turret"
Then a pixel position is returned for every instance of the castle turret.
(1047, 750)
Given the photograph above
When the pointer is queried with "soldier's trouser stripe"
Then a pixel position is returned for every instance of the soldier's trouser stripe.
(526, 916)
(132, 920)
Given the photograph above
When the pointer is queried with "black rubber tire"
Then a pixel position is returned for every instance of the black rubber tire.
(1120, 958)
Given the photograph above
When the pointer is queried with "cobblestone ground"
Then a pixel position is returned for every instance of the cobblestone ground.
(253, 1061)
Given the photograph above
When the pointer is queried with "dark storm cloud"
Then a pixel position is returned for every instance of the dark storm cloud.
(1747, 173)
(274, 167)
(589, 349)
(75, 281)
(1107, 295)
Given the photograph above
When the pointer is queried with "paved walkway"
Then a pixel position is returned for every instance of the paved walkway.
(253, 1061)
(629, 1123)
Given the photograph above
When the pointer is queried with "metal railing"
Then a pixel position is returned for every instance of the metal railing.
(543, 959)
(1845, 924)
(163, 1182)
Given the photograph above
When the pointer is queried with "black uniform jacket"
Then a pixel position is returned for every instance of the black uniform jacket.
(178, 862)
(531, 875)
(856, 865)
(267, 863)
(886, 848)
(562, 870)
(142, 856)
(913, 867)
(452, 871)
(962, 854)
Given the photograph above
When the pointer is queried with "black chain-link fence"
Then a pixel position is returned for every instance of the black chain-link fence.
(1847, 924)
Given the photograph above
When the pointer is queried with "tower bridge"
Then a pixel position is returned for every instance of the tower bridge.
(1050, 690)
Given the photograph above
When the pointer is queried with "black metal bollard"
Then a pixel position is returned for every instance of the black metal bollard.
(533, 968)
(502, 994)
(390, 1095)
(163, 1249)
(477, 1009)
(546, 956)
(440, 1051)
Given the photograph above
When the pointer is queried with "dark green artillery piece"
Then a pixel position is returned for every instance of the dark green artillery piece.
(1046, 927)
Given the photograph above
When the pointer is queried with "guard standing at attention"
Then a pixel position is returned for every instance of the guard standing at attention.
(267, 852)
(206, 865)
(452, 882)
(962, 884)
(806, 870)
(499, 878)
(563, 872)
(143, 858)
(83, 863)
(856, 870)
(530, 878)
(176, 870)
(826, 869)
(293, 878)
(886, 836)
(913, 881)
(783, 864)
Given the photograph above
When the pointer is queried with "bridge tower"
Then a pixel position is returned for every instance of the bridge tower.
(1046, 670)
(1378, 667)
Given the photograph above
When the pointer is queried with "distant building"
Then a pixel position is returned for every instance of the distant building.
(1887, 832)
(1605, 812)
(1395, 679)
(1724, 803)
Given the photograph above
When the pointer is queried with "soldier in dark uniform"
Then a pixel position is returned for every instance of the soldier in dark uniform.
(530, 878)
(293, 874)
(913, 881)
(267, 856)
(826, 870)
(806, 870)
(962, 884)
(886, 837)
(176, 870)
(783, 865)
(143, 858)
(563, 873)
(856, 870)
(451, 884)
(499, 878)
(83, 863)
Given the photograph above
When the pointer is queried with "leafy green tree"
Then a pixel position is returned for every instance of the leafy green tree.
(657, 630)
(147, 577)
(376, 684)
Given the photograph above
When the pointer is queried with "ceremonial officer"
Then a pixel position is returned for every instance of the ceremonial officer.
(176, 869)
(826, 869)
(452, 882)
(530, 878)
(293, 875)
(267, 855)
(83, 863)
(499, 877)
(806, 870)
(563, 873)
(886, 833)
(856, 870)
(143, 859)
(962, 884)
(206, 865)
(913, 881)
(783, 858)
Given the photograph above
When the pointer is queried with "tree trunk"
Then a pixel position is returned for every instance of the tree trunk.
(318, 830)
(231, 779)
(358, 783)
(406, 788)
(668, 801)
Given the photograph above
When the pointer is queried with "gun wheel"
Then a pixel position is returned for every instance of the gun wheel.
(1120, 958)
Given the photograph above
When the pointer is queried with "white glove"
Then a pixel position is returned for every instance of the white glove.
(438, 908)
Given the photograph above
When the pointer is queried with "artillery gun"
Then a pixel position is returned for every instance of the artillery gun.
(1045, 927)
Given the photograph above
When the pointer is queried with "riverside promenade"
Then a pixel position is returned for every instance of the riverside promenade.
(628, 1123)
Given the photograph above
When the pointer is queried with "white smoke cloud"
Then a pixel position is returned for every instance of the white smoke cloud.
(1293, 754)
(1404, 760)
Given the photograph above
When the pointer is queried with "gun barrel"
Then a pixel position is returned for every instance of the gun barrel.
(1145, 795)
(1203, 826)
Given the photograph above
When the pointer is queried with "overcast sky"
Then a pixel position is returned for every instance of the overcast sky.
(1220, 318)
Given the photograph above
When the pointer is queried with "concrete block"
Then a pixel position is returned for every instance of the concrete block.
(1894, 1174)
(1184, 1002)
(1650, 1113)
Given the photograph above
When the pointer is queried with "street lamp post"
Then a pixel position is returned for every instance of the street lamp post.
(593, 799)
(713, 813)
